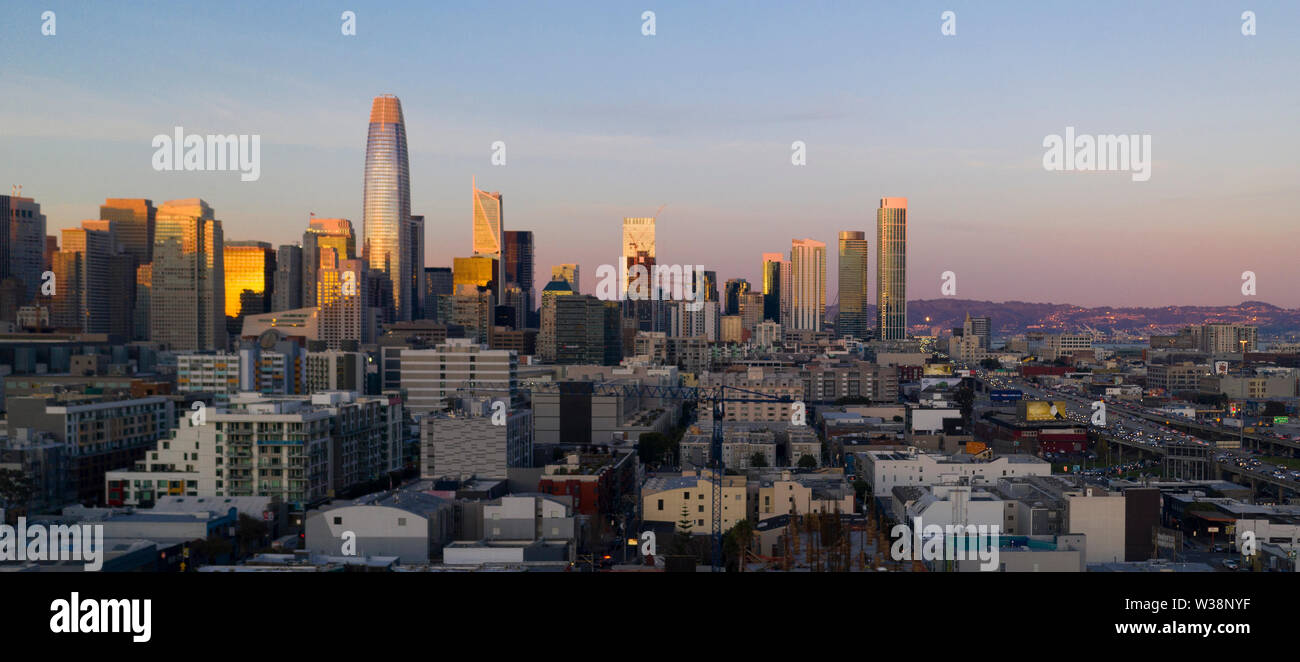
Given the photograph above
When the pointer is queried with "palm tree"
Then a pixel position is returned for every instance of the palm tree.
(744, 533)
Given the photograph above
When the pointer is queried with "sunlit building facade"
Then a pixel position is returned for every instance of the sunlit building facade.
(250, 277)
(808, 286)
(853, 297)
(387, 202)
(188, 294)
(891, 268)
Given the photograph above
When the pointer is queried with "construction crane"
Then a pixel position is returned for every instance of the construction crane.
(714, 396)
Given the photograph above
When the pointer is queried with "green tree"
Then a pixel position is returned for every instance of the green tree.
(736, 543)
(807, 462)
(651, 446)
(250, 532)
(758, 460)
(208, 550)
(16, 490)
(682, 536)
(966, 400)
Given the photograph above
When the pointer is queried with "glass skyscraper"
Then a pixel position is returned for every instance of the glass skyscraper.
(891, 268)
(387, 203)
(853, 295)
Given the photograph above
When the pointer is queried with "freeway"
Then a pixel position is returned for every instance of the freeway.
(1131, 426)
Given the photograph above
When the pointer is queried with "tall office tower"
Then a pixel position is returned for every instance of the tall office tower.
(982, 328)
(587, 331)
(711, 286)
(519, 265)
(701, 323)
(808, 291)
(334, 233)
(772, 286)
(143, 301)
(751, 309)
(477, 271)
(854, 296)
(891, 268)
(51, 247)
(489, 229)
(787, 293)
(471, 308)
(250, 281)
(341, 291)
(734, 288)
(569, 273)
(638, 247)
(546, 333)
(83, 271)
(416, 247)
(22, 243)
(287, 294)
(438, 281)
(387, 202)
(188, 294)
(134, 221)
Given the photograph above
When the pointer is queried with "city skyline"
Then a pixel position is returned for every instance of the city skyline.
(635, 150)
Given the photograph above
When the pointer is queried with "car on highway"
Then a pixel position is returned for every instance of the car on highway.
(1231, 564)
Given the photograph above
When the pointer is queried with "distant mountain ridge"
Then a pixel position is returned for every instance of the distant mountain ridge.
(1016, 317)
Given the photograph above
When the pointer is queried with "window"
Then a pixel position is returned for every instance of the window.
(401, 521)
(338, 520)
(701, 508)
(661, 504)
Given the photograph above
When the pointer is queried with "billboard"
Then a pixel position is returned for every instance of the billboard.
(1006, 395)
(936, 370)
(1220, 367)
(1041, 410)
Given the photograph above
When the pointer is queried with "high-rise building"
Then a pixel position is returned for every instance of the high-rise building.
(638, 248)
(891, 269)
(808, 291)
(22, 246)
(287, 294)
(560, 287)
(143, 301)
(476, 271)
(854, 297)
(322, 233)
(387, 202)
(569, 273)
(341, 289)
(587, 331)
(710, 286)
(83, 270)
(134, 219)
(250, 280)
(752, 305)
(188, 295)
(519, 265)
(734, 288)
(430, 376)
(416, 249)
(489, 230)
(702, 322)
(438, 281)
(772, 286)
(982, 328)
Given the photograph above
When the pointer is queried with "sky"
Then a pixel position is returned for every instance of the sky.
(602, 122)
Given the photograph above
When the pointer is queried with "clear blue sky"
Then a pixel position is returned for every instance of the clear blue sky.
(601, 122)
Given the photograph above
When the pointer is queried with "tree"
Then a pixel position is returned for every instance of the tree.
(807, 462)
(758, 460)
(736, 543)
(16, 489)
(966, 400)
(208, 550)
(682, 536)
(651, 446)
(250, 532)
